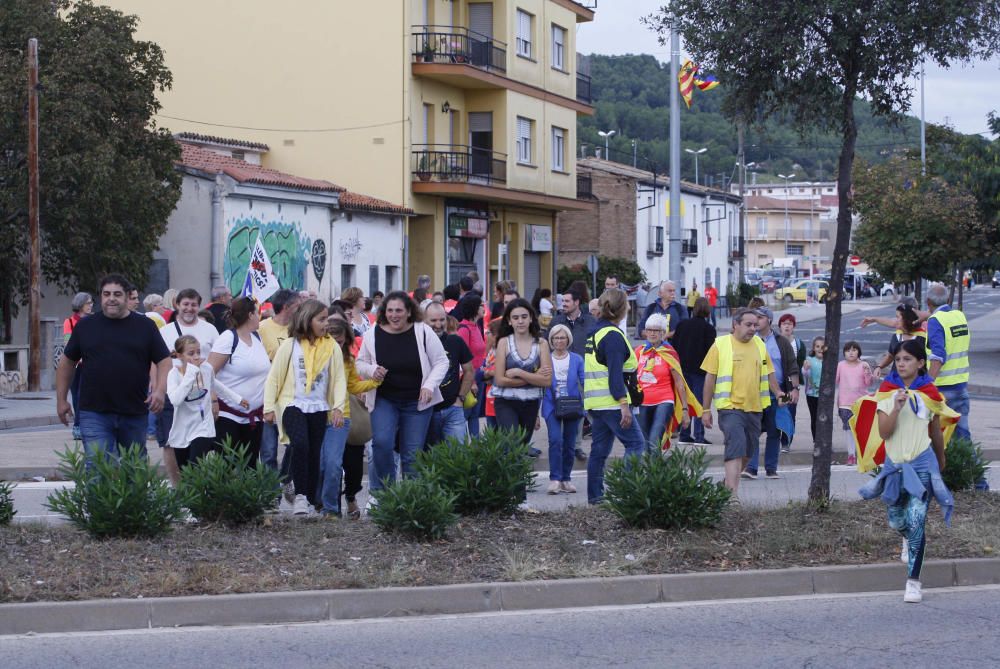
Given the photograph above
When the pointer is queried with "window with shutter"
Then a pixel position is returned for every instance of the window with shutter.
(524, 20)
(524, 139)
(558, 149)
(558, 45)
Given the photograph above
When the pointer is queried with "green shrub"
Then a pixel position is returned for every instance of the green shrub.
(7, 511)
(739, 295)
(117, 497)
(486, 474)
(223, 487)
(964, 464)
(417, 508)
(666, 492)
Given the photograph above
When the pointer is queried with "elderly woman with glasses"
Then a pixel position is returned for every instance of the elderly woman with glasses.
(661, 383)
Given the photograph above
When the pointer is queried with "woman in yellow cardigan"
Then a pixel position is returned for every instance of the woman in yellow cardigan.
(338, 454)
(307, 390)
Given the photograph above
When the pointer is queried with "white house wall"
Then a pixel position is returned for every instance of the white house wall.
(185, 244)
(363, 241)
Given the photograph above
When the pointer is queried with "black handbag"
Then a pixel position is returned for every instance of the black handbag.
(569, 408)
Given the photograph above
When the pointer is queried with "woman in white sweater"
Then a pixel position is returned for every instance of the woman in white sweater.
(190, 387)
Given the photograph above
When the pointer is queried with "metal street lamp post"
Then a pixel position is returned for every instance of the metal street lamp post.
(787, 226)
(606, 135)
(696, 154)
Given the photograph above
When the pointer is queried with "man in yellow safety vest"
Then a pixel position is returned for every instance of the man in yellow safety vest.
(948, 354)
(739, 378)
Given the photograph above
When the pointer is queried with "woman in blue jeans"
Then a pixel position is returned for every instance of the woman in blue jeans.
(415, 365)
(563, 421)
(606, 397)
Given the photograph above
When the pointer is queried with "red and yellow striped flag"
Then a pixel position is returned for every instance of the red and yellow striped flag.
(685, 79)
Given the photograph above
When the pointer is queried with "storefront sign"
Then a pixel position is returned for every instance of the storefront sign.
(538, 238)
(463, 226)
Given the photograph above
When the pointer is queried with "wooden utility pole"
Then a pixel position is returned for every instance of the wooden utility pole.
(34, 253)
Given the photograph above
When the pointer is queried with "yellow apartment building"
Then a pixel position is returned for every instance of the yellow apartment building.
(464, 111)
(781, 230)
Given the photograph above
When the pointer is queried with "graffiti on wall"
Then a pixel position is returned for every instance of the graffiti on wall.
(319, 259)
(12, 382)
(286, 246)
(350, 247)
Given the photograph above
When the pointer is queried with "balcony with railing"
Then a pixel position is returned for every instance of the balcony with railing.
(689, 243)
(583, 88)
(458, 46)
(793, 234)
(736, 249)
(456, 163)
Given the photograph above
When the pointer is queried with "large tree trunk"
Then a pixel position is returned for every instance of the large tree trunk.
(819, 485)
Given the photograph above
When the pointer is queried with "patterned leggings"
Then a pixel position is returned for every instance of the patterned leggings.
(908, 517)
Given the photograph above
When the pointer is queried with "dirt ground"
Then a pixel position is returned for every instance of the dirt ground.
(283, 553)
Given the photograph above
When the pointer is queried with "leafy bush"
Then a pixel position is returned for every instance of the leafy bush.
(964, 464)
(488, 473)
(667, 492)
(223, 487)
(627, 270)
(116, 497)
(417, 507)
(7, 511)
(739, 295)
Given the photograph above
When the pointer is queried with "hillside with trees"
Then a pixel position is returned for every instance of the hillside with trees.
(632, 97)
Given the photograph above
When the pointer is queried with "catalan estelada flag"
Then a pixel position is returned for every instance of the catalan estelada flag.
(694, 405)
(688, 78)
(864, 423)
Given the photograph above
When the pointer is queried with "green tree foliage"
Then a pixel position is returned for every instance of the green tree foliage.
(633, 98)
(809, 63)
(627, 270)
(902, 211)
(107, 178)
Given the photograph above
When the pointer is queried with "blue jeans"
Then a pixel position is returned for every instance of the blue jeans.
(562, 446)
(450, 422)
(958, 400)
(388, 417)
(772, 444)
(269, 445)
(653, 421)
(331, 466)
(695, 431)
(606, 425)
(105, 434)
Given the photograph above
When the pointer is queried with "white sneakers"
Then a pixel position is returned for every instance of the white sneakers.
(555, 487)
(302, 507)
(912, 594)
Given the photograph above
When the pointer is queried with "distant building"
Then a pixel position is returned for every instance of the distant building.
(631, 220)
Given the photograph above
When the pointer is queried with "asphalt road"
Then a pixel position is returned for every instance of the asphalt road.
(874, 339)
(953, 627)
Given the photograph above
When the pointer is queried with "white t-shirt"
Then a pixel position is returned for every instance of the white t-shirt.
(560, 367)
(545, 307)
(193, 417)
(203, 331)
(314, 399)
(245, 373)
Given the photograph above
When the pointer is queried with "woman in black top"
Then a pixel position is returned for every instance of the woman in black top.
(692, 339)
(416, 364)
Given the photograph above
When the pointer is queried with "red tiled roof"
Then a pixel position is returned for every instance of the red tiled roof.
(200, 158)
(211, 139)
(358, 202)
(829, 200)
(762, 203)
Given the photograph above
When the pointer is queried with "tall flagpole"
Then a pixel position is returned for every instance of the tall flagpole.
(675, 154)
(34, 250)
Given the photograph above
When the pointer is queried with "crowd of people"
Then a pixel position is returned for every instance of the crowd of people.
(399, 373)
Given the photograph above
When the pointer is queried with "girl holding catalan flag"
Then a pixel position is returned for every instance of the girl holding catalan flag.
(915, 423)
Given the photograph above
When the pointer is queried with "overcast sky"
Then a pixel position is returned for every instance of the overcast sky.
(962, 96)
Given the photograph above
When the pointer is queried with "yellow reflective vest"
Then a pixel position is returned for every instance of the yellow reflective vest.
(596, 388)
(955, 367)
(724, 379)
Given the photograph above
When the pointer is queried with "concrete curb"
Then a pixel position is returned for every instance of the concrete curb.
(30, 421)
(324, 605)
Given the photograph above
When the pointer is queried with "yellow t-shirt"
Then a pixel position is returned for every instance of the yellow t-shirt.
(271, 335)
(747, 371)
(910, 437)
(693, 296)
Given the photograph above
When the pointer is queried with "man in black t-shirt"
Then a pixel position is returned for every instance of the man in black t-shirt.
(448, 418)
(119, 346)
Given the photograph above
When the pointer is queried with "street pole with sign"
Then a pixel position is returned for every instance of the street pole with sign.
(592, 265)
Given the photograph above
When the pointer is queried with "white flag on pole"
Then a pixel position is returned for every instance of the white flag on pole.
(261, 283)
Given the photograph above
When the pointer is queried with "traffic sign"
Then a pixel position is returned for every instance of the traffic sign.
(592, 264)
(855, 261)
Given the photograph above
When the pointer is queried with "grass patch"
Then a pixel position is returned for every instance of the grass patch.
(281, 554)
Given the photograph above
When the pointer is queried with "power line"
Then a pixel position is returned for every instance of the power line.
(243, 127)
